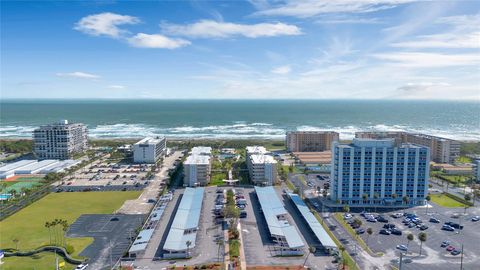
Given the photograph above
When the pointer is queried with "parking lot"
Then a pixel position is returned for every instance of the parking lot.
(112, 236)
(104, 172)
(433, 255)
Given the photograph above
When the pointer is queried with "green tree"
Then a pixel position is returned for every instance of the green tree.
(422, 237)
(428, 198)
(410, 238)
(467, 197)
(365, 198)
(342, 250)
(48, 226)
(369, 232)
(375, 198)
(346, 208)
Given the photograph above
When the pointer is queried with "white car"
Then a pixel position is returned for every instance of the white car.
(402, 247)
(476, 218)
(81, 266)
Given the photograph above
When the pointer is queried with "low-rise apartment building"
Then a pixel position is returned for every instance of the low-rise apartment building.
(197, 167)
(60, 140)
(149, 150)
(443, 150)
(310, 141)
(379, 172)
(262, 167)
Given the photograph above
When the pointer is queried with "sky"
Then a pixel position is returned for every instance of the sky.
(258, 49)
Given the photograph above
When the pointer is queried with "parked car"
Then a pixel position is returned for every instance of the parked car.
(382, 219)
(455, 252)
(396, 231)
(81, 266)
(385, 232)
(449, 228)
(388, 226)
(445, 244)
(423, 227)
(396, 215)
(402, 247)
(243, 214)
(434, 220)
(454, 225)
(475, 218)
(450, 248)
(360, 231)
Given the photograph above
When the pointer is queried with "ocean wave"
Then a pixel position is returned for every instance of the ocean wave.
(241, 130)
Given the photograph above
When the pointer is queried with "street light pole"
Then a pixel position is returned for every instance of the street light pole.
(461, 260)
(400, 264)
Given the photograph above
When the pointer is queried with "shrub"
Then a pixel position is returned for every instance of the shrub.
(70, 249)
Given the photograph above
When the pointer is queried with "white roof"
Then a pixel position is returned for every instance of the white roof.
(262, 159)
(198, 159)
(201, 150)
(16, 165)
(186, 220)
(34, 167)
(60, 166)
(273, 211)
(150, 140)
(256, 149)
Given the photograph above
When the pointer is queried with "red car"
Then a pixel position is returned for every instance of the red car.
(450, 248)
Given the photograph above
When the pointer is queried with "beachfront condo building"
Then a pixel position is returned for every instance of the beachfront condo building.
(60, 140)
(442, 150)
(197, 169)
(310, 141)
(369, 172)
(262, 167)
(149, 150)
(476, 170)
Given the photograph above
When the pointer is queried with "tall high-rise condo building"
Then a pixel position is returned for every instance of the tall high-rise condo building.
(379, 172)
(149, 150)
(442, 150)
(310, 141)
(60, 140)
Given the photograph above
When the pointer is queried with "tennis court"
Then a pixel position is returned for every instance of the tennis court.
(28, 178)
(19, 185)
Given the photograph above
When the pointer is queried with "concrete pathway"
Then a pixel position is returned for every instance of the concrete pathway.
(243, 262)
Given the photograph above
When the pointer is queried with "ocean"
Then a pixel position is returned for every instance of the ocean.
(260, 119)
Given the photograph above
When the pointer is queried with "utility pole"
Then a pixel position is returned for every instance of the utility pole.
(400, 264)
(461, 260)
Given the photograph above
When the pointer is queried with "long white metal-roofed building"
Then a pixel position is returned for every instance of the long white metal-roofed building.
(36, 167)
(322, 236)
(8, 170)
(185, 224)
(284, 234)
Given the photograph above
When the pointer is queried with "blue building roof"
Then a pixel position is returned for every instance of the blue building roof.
(275, 215)
(312, 222)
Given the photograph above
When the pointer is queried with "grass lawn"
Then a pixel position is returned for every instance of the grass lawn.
(27, 225)
(445, 201)
(217, 178)
(453, 179)
(234, 246)
(464, 159)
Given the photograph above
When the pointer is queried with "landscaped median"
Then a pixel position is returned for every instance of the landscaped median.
(348, 260)
(26, 230)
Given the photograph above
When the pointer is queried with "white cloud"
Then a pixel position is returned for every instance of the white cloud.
(282, 70)
(464, 33)
(422, 60)
(105, 24)
(116, 86)
(214, 29)
(79, 75)
(312, 8)
(142, 40)
(346, 20)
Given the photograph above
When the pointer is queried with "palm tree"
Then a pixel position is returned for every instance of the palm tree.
(188, 243)
(468, 197)
(394, 197)
(410, 237)
(346, 208)
(405, 200)
(422, 237)
(365, 198)
(15, 241)
(375, 197)
(64, 229)
(428, 198)
(310, 250)
(48, 226)
(342, 250)
(369, 232)
(219, 243)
